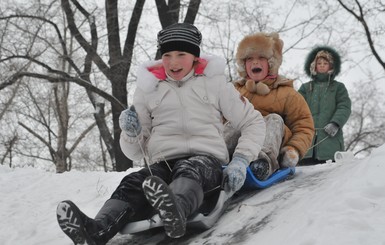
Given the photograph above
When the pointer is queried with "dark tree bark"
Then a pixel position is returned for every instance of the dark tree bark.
(118, 65)
(115, 70)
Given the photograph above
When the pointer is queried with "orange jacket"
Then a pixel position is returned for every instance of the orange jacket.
(278, 96)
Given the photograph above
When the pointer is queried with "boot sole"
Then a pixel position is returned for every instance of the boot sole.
(69, 219)
(162, 199)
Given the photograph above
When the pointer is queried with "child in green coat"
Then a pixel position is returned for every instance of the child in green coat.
(329, 103)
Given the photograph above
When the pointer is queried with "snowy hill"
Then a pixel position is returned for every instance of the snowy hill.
(334, 203)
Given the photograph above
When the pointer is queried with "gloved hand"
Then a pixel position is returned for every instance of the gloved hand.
(331, 129)
(234, 175)
(290, 157)
(129, 122)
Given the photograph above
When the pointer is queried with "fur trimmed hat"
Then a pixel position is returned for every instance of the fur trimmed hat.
(326, 52)
(267, 45)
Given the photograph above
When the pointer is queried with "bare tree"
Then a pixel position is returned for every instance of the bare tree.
(9, 148)
(84, 48)
(60, 88)
(366, 124)
(115, 70)
(365, 128)
(8, 141)
(120, 59)
(361, 13)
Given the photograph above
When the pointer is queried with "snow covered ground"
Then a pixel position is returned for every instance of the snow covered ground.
(334, 203)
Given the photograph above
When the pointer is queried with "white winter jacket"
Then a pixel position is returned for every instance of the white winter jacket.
(185, 118)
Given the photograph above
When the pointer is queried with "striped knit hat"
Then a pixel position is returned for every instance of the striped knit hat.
(180, 37)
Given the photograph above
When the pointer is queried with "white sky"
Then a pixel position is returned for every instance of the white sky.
(334, 204)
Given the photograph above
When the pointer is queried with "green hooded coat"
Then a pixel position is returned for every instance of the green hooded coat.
(328, 101)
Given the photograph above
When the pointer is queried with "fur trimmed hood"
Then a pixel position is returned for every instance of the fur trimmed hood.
(326, 52)
(267, 45)
(151, 72)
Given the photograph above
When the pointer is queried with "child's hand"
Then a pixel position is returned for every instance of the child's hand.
(234, 175)
(331, 129)
(129, 122)
(290, 157)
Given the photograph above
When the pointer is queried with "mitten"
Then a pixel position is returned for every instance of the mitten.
(129, 122)
(234, 175)
(331, 129)
(290, 157)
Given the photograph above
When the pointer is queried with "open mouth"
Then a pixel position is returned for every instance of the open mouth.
(256, 70)
(176, 70)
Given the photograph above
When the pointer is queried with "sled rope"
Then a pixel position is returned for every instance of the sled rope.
(144, 156)
(319, 142)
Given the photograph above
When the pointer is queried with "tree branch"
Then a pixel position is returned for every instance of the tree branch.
(56, 79)
(61, 40)
(192, 11)
(82, 41)
(37, 136)
(361, 19)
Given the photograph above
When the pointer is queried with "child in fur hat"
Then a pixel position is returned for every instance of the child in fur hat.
(328, 101)
(289, 124)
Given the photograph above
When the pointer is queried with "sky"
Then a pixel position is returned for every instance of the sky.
(334, 203)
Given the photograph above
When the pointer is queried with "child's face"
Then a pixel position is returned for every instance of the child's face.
(322, 65)
(178, 64)
(257, 68)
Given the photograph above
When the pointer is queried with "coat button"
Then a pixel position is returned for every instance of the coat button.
(205, 98)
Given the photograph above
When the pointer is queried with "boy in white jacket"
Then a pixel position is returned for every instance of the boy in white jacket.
(176, 124)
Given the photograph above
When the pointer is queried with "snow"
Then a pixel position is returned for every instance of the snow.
(334, 203)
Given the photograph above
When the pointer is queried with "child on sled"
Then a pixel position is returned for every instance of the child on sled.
(289, 123)
(176, 123)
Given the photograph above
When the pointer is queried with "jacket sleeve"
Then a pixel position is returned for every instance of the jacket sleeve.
(343, 106)
(243, 117)
(299, 120)
(134, 148)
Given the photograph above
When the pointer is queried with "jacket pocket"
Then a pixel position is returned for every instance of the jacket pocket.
(155, 100)
(204, 96)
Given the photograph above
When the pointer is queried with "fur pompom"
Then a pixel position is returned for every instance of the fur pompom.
(250, 86)
(257, 87)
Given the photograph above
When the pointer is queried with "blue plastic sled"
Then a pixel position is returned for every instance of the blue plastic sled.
(252, 183)
(206, 218)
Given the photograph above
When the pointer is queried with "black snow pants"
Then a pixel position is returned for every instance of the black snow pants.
(206, 170)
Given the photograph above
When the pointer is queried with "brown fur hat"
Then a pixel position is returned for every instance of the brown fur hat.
(267, 45)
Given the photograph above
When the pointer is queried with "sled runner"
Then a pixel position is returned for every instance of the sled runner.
(205, 218)
(213, 206)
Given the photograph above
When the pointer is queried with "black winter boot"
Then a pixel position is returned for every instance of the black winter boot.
(260, 169)
(83, 230)
(174, 203)
(189, 194)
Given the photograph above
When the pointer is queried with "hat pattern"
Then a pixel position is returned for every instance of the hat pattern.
(180, 37)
